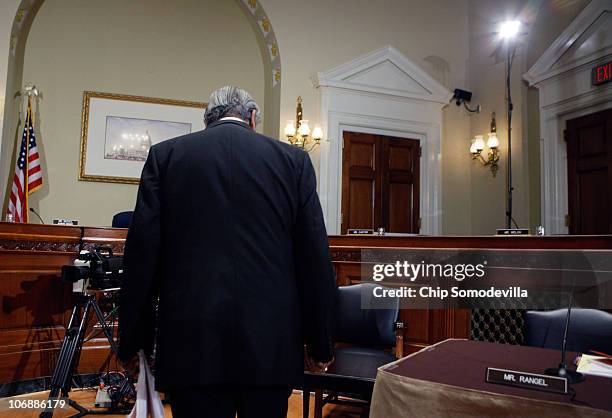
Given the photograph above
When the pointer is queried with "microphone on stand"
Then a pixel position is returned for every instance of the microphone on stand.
(561, 371)
(37, 215)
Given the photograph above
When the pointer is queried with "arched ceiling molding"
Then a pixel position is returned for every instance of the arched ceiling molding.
(264, 33)
(258, 17)
(22, 23)
(254, 12)
(20, 29)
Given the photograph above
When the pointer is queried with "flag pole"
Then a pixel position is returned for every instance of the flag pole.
(28, 122)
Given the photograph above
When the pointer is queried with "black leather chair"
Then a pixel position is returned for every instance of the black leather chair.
(589, 329)
(365, 340)
(123, 219)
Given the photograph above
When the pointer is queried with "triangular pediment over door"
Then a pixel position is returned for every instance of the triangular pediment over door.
(385, 71)
(586, 40)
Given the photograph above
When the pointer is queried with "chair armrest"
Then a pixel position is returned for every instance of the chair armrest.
(399, 339)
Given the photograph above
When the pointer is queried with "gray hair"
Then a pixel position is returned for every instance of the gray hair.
(231, 101)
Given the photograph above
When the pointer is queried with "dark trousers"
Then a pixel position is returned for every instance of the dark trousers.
(222, 402)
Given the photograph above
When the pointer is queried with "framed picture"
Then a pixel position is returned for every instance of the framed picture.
(117, 131)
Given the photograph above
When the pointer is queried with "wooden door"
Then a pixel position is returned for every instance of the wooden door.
(380, 183)
(589, 169)
(361, 181)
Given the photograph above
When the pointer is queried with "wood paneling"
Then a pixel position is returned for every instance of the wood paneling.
(428, 326)
(36, 304)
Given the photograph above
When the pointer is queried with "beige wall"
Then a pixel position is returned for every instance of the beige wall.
(487, 81)
(68, 51)
(543, 21)
(317, 35)
(181, 50)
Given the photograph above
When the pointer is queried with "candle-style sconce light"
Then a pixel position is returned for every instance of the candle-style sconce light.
(477, 147)
(298, 132)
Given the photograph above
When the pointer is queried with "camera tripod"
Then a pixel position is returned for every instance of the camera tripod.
(70, 352)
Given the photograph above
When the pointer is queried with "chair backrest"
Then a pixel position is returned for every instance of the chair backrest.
(123, 219)
(589, 329)
(364, 327)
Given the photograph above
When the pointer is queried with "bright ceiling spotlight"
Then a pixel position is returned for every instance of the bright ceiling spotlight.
(509, 29)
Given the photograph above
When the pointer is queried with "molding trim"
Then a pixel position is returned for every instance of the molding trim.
(553, 153)
(255, 12)
(47, 246)
(545, 68)
(342, 76)
(566, 92)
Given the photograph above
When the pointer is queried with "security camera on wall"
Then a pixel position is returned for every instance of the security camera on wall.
(464, 97)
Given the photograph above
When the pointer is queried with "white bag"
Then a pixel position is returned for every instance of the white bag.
(148, 403)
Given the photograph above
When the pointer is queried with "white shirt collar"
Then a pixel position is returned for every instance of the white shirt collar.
(232, 118)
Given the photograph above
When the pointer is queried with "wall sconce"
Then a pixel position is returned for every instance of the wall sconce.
(478, 145)
(298, 132)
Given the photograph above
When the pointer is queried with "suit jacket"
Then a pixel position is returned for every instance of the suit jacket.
(228, 232)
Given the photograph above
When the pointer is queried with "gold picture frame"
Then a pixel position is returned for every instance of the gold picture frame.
(123, 106)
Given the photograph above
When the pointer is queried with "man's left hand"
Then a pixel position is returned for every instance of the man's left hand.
(133, 367)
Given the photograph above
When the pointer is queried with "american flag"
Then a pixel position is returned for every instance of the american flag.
(28, 172)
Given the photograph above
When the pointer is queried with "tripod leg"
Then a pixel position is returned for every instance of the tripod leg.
(105, 328)
(68, 358)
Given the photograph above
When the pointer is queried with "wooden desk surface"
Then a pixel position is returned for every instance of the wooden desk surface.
(36, 304)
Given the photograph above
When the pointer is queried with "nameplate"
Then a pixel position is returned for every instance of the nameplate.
(361, 232)
(65, 222)
(518, 231)
(524, 380)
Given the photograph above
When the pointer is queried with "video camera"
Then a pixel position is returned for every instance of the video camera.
(100, 269)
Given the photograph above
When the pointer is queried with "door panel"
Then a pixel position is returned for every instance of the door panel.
(400, 219)
(589, 166)
(361, 195)
(595, 203)
(400, 190)
(592, 141)
(400, 155)
(360, 185)
(363, 155)
(380, 183)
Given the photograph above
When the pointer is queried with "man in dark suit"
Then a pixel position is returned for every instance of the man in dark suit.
(228, 232)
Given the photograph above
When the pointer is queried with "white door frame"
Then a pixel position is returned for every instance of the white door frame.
(563, 77)
(356, 97)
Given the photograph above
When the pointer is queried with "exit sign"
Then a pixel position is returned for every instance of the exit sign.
(602, 74)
